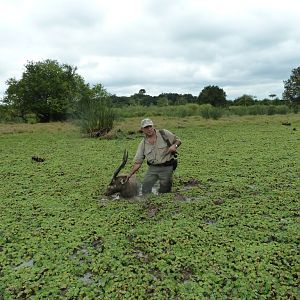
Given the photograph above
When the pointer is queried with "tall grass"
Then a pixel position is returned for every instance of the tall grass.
(186, 110)
(96, 117)
(259, 110)
(207, 111)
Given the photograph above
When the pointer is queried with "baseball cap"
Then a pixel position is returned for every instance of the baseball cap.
(146, 122)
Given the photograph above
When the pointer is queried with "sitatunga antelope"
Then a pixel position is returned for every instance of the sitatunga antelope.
(118, 184)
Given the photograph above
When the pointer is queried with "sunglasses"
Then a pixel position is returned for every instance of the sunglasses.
(149, 126)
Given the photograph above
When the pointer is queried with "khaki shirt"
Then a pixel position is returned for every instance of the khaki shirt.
(156, 153)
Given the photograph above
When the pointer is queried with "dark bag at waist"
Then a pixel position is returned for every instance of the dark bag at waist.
(165, 164)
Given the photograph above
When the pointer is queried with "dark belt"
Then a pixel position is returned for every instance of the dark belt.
(165, 164)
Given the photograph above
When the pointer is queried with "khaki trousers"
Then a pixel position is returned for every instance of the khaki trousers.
(162, 174)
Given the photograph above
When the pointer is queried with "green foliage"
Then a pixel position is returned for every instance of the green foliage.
(187, 110)
(207, 111)
(239, 110)
(31, 118)
(178, 99)
(276, 101)
(181, 111)
(282, 110)
(162, 101)
(291, 92)
(8, 114)
(259, 109)
(213, 95)
(174, 99)
(134, 111)
(47, 89)
(229, 230)
(142, 99)
(96, 115)
(190, 109)
(245, 100)
(147, 100)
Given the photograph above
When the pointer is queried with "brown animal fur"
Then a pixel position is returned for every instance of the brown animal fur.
(128, 189)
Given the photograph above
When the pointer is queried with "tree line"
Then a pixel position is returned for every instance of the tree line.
(211, 94)
(50, 91)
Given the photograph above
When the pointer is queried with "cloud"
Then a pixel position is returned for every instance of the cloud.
(246, 47)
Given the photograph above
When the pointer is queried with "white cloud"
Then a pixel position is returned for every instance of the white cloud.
(163, 46)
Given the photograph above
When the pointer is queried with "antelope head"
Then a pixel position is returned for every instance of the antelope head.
(119, 184)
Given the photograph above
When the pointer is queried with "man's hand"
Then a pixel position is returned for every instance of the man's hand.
(133, 171)
(127, 179)
(172, 149)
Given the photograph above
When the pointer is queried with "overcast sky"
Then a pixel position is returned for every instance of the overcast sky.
(162, 46)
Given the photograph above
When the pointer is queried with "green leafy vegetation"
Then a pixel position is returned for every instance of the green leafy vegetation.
(96, 116)
(207, 111)
(229, 230)
(47, 89)
(291, 92)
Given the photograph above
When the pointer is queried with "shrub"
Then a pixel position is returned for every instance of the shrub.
(282, 109)
(271, 110)
(192, 109)
(8, 115)
(31, 118)
(258, 110)
(97, 117)
(216, 113)
(239, 110)
(207, 111)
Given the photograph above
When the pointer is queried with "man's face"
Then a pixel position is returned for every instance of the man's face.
(148, 130)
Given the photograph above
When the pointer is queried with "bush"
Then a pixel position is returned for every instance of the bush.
(8, 115)
(192, 109)
(31, 118)
(207, 111)
(132, 111)
(239, 110)
(259, 109)
(282, 109)
(182, 111)
(97, 117)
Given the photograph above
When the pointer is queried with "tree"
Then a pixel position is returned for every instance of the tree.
(245, 100)
(47, 89)
(291, 92)
(142, 99)
(212, 95)
(190, 98)
(162, 101)
(173, 98)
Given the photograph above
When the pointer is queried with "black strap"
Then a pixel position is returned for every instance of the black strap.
(163, 135)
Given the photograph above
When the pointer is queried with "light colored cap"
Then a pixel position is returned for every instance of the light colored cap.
(146, 122)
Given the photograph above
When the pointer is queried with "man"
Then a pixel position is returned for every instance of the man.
(159, 149)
